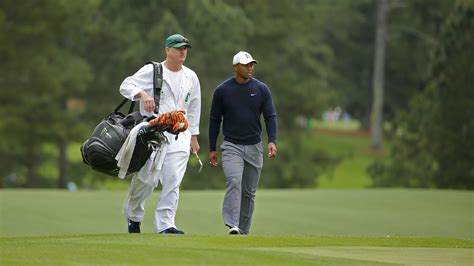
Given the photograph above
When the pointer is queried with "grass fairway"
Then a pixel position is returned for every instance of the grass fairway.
(291, 227)
(152, 249)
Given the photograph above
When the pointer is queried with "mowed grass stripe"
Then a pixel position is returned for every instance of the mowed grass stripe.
(398, 255)
(152, 249)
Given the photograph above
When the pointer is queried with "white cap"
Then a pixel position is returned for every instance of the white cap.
(243, 58)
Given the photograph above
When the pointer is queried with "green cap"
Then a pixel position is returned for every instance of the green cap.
(176, 41)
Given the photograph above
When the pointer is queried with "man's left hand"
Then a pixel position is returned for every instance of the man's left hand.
(272, 150)
(194, 144)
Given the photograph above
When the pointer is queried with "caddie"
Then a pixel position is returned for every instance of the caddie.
(180, 91)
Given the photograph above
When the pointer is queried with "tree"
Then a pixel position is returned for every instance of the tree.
(433, 144)
(39, 74)
(414, 29)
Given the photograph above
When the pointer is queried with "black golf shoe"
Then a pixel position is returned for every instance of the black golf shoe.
(133, 227)
(172, 230)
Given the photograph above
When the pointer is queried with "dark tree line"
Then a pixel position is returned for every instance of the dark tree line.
(62, 63)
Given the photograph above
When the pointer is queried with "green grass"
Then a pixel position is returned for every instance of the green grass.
(151, 249)
(290, 227)
(356, 157)
(369, 212)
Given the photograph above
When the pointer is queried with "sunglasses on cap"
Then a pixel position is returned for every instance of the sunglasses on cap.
(180, 40)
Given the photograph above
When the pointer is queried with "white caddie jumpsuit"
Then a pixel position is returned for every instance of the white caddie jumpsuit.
(180, 91)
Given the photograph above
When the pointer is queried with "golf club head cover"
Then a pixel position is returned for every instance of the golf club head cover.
(173, 122)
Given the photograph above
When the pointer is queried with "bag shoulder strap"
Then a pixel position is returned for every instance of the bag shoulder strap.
(132, 104)
(157, 83)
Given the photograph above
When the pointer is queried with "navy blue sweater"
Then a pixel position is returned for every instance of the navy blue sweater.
(240, 106)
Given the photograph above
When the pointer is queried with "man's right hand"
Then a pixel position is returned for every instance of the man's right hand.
(213, 158)
(148, 101)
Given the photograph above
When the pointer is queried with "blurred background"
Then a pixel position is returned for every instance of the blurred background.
(369, 93)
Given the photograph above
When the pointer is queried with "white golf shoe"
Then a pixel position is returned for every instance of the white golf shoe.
(234, 231)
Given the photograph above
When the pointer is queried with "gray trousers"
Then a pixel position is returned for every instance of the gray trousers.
(242, 166)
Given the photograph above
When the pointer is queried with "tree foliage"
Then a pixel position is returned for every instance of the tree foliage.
(40, 72)
(63, 62)
(433, 141)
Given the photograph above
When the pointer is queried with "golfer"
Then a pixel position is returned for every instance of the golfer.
(239, 102)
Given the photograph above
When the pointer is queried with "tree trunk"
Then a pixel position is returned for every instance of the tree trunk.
(378, 76)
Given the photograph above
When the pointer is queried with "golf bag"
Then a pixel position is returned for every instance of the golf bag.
(107, 138)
